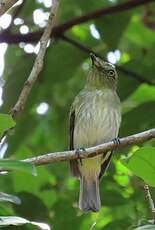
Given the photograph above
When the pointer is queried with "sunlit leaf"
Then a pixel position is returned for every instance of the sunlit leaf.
(6, 122)
(142, 164)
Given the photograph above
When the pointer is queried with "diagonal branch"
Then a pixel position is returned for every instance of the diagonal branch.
(38, 64)
(6, 5)
(37, 67)
(60, 29)
(93, 151)
(150, 201)
(32, 37)
(124, 6)
(120, 68)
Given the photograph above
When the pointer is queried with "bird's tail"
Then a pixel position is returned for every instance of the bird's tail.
(89, 195)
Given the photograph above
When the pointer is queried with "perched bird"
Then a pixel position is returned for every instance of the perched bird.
(95, 118)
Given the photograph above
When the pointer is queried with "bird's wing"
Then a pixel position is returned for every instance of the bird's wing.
(73, 163)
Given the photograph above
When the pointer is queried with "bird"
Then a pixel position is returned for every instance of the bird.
(95, 118)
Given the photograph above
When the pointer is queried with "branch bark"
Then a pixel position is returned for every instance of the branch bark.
(5, 5)
(38, 64)
(93, 151)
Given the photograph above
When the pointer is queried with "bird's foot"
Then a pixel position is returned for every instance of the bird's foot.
(78, 152)
(116, 141)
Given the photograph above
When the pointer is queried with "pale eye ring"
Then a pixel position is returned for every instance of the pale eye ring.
(111, 73)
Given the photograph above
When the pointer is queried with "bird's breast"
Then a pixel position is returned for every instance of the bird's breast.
(97, 121)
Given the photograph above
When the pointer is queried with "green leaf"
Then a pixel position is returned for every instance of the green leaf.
(15, 220)
(9, 198)
(6, 122)
(15, 165)
(142, 164)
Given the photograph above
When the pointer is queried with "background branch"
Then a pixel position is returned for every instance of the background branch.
(120, 68)
(93, 151)
(37, 67)
(6, 5)
(60, 29)
(38, 64)
(58, 32)
(124, 6)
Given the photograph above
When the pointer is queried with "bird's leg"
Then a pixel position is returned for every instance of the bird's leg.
(116, 141)
(78, 152)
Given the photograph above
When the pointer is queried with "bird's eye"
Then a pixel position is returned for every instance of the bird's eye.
(111, 73)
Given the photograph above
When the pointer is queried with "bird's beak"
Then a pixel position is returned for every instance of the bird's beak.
(93, 58)
(96, 61)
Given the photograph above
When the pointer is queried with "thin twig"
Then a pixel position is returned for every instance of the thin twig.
(85, 49)
(58, 30)
(150, 201)
(38, 64)
(5, 5)
(93, 151)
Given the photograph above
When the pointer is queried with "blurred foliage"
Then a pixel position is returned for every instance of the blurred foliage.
(52, 196)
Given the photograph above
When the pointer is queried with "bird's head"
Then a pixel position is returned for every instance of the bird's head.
(102, 74)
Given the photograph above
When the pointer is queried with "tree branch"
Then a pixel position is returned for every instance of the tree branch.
(6, 5)
(124, 6)
(37, 67)
(150, 201)
(85, 49)
(31, 37)
(38, 64)
(93, 151)
(60, 29)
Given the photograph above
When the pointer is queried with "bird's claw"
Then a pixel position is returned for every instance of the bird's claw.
(78, 152)
(116, 141)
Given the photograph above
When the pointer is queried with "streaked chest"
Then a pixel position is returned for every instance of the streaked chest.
(97, 119)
